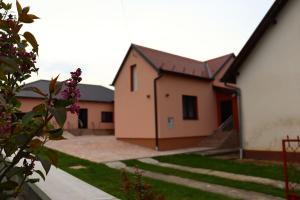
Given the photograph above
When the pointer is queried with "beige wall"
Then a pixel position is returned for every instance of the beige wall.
(134, 111)
(270, 84)
(169, 95)
(94, 113)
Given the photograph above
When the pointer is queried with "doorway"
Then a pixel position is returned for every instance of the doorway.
(83, 118)
(226, 110)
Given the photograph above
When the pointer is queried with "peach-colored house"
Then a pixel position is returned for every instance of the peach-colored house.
(96, 108)
(164, 101)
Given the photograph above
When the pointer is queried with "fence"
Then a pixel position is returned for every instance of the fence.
(291, 163)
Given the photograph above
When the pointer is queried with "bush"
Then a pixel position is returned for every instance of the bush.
(21, 140)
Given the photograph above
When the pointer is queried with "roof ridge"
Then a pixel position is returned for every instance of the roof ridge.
(226, 55)
(202, 62)
(87, 84)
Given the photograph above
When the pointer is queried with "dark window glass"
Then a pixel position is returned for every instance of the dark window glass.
(107, 116)
(189, 107)
(133, 78)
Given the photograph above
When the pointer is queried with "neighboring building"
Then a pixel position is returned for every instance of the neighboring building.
(96, 107)
(164, 101)
(267, 72)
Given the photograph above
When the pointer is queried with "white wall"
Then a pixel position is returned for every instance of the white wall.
(270, 84)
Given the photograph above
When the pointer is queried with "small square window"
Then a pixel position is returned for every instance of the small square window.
(189, 107)
(107, 117)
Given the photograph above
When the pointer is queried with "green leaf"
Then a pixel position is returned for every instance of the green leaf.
(52, 85)
(8, 185)
(39, 109)
(25, 10)
(21, 139)
(46, 164)
(2, 100)
(63, 103)
(33, 180)
(28, 117)
(33, 16)
(35, 90)
(14, 171)
(58, 87)
(36, 143)
(19, 8)
(31, 39)
(60, 115)
(39, 172)
(10, 64)
(56, 132)
(52, 156)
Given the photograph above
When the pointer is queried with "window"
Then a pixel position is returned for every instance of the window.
(189, 107)
(107, 117)
(133, 78)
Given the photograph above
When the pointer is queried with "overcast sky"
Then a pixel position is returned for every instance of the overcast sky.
(95, 34)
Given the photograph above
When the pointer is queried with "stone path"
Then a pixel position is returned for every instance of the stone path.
(60, 185)
(238, 177)
(224, 190)
(107, 148)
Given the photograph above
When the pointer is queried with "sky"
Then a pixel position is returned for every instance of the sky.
(96, 34)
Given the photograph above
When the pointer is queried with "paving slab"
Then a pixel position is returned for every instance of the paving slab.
(60, 185)
(224, 190)
(238, 177)
(106, 148)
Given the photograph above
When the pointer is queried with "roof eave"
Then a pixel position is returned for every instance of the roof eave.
(132, 46)
(254, 38)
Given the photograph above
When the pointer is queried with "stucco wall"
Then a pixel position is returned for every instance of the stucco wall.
(169, 95)
(270, 84)
(94, 113)
(134, 111)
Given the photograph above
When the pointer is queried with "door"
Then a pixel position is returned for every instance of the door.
(83, 118)
(226, 110)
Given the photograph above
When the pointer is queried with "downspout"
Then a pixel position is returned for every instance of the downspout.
(155, 112)
(238, 93)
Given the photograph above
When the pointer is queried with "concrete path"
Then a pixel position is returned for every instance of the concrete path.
(238, 177)
(224, 190)
(60, 185)
(108, 148)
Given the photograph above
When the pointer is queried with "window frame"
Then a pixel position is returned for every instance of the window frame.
(189, 99)
(105, 121)
(133, 78)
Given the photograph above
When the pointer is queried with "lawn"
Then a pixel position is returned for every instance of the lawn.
(208, 178)
(109, 180)
(272, 171)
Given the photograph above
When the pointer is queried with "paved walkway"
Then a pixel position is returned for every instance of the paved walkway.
(238, 177)
(108, 148)
(60, 185)
(227, 191)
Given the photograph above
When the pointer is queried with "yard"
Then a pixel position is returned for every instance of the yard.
(110, 180)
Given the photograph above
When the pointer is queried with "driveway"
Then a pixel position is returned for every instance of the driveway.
(107, 148)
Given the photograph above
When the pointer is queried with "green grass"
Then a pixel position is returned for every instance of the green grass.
(109, 180)
(209, 179)
(272, 171)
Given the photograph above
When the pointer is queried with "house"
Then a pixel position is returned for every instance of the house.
(267, 72)
(164, 101)
(96, 107)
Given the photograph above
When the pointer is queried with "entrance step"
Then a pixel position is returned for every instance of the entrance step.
(217, 152)
(221, 140)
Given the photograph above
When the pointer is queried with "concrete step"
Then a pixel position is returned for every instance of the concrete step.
(215, 152)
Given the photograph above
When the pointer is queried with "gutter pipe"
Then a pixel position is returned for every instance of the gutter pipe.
(155, 111)
(238, 93)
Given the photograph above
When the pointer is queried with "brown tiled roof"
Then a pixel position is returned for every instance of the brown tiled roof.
(182, 65)
(166, 62)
